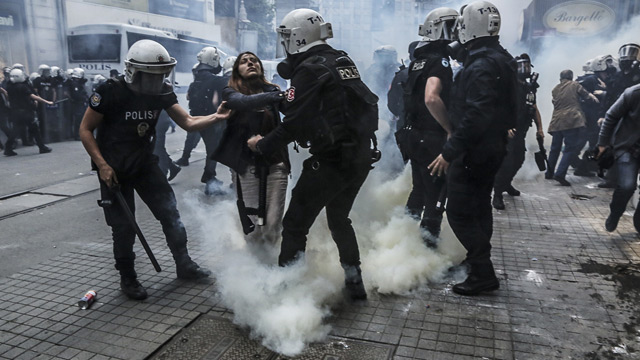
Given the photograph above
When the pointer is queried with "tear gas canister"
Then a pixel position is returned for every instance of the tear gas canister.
(87, 299)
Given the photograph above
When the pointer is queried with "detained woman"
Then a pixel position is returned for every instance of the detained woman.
(255, 103)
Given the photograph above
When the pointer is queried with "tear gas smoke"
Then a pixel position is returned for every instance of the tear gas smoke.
(286, 308)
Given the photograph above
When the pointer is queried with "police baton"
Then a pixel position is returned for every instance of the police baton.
(132, 220)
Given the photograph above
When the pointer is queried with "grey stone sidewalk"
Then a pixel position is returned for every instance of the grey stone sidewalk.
(569, 290)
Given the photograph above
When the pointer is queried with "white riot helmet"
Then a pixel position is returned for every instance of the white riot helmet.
(587, 67)
(68, 73)
(55, 71)
(44, 70)
(209, 59)
(227, 65)
(99, 79)
(602, 63)
(18, 66)
(77, 73)
(34, 75)
(476, 20)
(302, 29)
(439, 25)
(147, 66)
(17, 76)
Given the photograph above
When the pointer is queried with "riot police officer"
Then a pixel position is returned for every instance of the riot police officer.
(629, 74)
(126, 111)
(44, 86)
(77, 94)
(597, 83)
(426, 96)
(516, 147)
(21, 99)
(395, 95)
(205, 94)
(331, 110)
(483, 108)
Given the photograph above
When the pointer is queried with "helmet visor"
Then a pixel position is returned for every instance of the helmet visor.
(282, 48)
(524, 67)
(629, 52)
(152, 84)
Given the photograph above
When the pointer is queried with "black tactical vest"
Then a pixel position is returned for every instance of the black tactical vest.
(351, 110)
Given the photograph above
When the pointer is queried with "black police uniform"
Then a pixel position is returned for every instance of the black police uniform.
(483, 108)
(619, 83)
(77, 103)
(516, 146)
(201, 93)
(126, 141)
(425, 135)
(22, 112)
(592, 111)
(45, 87)
(395, 100)
(323, 109)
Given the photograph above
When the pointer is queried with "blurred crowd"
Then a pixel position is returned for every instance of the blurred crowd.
(45, 106)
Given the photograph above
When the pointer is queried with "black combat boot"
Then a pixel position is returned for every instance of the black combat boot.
(174, 169)
(187, 269)
(481, 278)
(183, 161)
(498, 201)
(474, 285)
(512, 191)
(131, 287)
(353, 282)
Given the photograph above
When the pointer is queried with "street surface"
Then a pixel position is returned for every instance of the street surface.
(569, 289)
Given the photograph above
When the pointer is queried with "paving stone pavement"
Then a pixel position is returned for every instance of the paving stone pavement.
(569, 290)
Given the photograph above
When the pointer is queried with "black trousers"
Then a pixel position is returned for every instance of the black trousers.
(424, 148)
(24, 118)
(469, 209)
(211, 137)
(516, 150)
(7, 128)
(77, 113)
(154, 189)
(323, 184)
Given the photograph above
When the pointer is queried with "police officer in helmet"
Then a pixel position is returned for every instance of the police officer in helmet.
(21, 96)
(331, 110)
(125, 112)
(516, 147)
(483, 108)
(426, 96)
(205, 94)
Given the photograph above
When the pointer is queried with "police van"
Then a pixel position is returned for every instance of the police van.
(100, 48)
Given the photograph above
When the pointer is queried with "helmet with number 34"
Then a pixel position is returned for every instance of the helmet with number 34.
(302, 29)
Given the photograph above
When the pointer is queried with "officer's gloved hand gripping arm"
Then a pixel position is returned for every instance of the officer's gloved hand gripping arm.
(238, 101)
(196, 123)
(91, 121)
(476, 117)
(301, 106)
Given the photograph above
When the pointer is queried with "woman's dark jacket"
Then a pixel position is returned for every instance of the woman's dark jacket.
(249, 118)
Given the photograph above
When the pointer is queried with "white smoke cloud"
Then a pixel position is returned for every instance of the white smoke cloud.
(286, 308)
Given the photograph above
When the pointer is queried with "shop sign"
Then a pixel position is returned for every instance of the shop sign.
(579, 18)
(6, 21)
